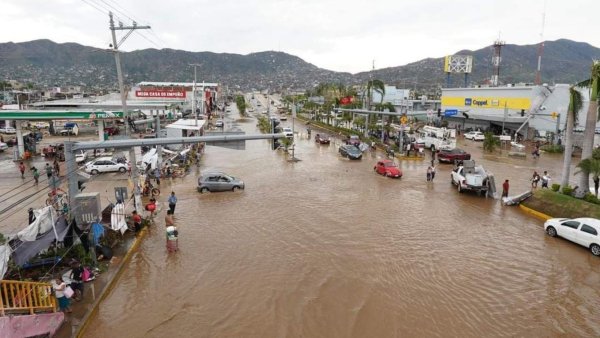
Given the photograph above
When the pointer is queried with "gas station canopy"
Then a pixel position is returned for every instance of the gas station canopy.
(31, 115)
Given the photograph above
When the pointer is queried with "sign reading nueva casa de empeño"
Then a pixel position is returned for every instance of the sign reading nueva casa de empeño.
(165, 94)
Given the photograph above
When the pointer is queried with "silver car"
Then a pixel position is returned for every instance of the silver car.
(218, 181)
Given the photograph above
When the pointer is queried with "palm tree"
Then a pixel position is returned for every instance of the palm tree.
(374, 86)
(590, 124)
(575, 104)
(589, 166)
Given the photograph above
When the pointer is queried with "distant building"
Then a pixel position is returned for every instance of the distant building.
(543, 108)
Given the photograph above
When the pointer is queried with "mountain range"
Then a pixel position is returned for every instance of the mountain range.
(47, 63)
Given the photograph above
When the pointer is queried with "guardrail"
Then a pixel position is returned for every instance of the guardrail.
(26, 297)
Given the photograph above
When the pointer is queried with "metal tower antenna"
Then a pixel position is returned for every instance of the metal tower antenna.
(496, 61)
(538, 74)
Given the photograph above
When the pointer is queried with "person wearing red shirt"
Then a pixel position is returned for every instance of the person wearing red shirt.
(22, 169)
(137, 221)
(505, 186)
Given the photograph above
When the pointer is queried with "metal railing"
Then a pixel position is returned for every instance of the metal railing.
(26, 297)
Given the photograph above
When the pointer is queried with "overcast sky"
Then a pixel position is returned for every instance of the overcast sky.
(337, 35)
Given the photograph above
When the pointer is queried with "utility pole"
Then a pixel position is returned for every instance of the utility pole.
(115, 46)
(194, 93)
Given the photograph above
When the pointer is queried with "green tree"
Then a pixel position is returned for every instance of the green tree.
(490, 142)
(590, 124)
(240, 101)
(575, 105)
(589, 166)
(372, 87)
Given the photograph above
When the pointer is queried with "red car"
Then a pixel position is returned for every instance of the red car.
(449, 156)
(388, 168)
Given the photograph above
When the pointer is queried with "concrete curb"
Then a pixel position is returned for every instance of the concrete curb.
(535, 213)
(111, 284)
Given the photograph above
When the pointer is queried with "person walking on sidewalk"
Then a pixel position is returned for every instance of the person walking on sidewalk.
(157, 175)
(505, 187)
(56, 168)
(48, 169)
(59, 287)
(36, 176)
(22, 169)
(172, 202)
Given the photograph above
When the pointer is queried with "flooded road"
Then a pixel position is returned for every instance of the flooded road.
(326, 248)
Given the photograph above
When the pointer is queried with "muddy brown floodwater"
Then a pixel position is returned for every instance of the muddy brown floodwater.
(326, 248)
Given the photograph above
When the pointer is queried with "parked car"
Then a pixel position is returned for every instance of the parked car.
(81, 156)
(450, 156)
(475, 136)
(104, 164)
(70, 128)
(583, 231)
(218, 181)
(353, 140)
(288, 132)
(8, 130)
(3, 146)
(219, 124)
(322, 139)
(12, 142)
(387, 168)
(350, 151)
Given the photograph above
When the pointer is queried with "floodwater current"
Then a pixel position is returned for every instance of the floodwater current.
(324, 247)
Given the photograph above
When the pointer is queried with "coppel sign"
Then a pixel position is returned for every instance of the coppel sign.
(470, 102)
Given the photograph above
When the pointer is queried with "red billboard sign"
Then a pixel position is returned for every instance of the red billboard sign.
(164, 94)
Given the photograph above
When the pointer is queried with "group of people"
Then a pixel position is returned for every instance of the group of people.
(431, 172)
(172, 233)
(74, 290)
(536, 179)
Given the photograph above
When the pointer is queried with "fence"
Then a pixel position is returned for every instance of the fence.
(26, 297)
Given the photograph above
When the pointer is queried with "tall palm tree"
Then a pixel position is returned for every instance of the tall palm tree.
(575, 104)
(375, 86)
(590, 124)
(589, 166)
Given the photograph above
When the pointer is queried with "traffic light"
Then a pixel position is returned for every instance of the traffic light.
(522, 112)
(439, 112)
(274, 130)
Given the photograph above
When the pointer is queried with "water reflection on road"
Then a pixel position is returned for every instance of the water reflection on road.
(326, 248)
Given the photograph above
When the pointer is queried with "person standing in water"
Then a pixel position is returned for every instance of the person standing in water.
(171, 234)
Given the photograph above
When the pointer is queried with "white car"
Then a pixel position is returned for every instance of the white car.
(3, 146)
(288, 132)
(81, 156)
(475, 136)
(219, 124)
(104, 164)
(8, 130)
(583, 231)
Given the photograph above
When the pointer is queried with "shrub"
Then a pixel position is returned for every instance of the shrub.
(553, 148)
(490, 142)
(567, 190)
(555, 187)
(589, 197)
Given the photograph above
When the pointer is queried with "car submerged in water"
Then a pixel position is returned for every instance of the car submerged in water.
(350, 151)
(322, 139)
(218, 181)
(387, 168)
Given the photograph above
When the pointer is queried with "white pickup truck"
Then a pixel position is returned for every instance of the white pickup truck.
(468, 176)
